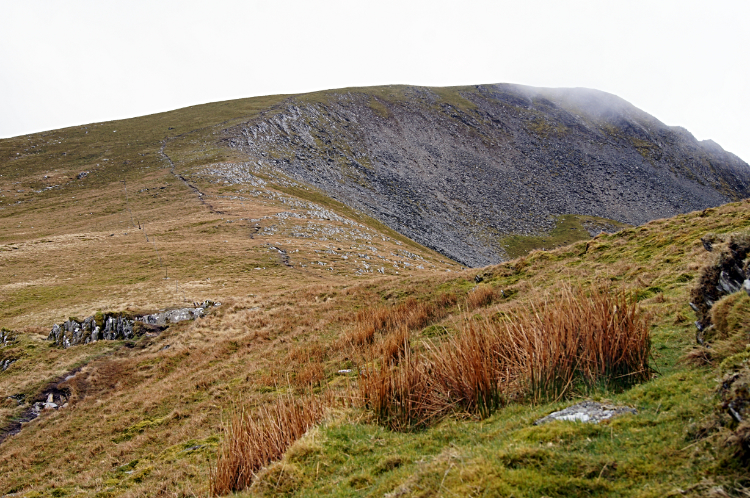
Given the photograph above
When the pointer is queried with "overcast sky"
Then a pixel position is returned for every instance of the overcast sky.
(64, 63)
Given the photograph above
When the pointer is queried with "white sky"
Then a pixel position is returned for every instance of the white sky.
(64, 63)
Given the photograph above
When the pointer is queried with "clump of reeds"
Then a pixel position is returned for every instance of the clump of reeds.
(466, 372)
(577, 342)
(481, 296)
(309, 375)
(394, 345)
(410, 314)
(252, 441)
(574, 343)
(446, 300)
(395, 390)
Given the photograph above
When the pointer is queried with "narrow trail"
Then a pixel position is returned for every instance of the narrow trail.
(201, 196)
(283, 256)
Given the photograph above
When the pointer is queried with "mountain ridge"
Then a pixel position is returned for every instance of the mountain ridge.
(459, 169)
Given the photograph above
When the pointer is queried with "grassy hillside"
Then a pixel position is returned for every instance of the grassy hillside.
(302, 281)
(145, 420)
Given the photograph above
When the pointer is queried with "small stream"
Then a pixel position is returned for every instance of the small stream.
(52, 397)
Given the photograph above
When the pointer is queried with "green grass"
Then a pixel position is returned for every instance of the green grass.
(653, 453)
(569, 228)
(648, 454)
(506, 455)
(126, 147)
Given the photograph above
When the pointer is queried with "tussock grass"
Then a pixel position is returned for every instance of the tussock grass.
(396, 392)
(310, 375)
(575, 343)
(480, 297)
(410, 315)
(252, 442)
(467, 372)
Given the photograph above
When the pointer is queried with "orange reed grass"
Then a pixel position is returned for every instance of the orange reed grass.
(410, 314)
(576, 343)
(252, 442)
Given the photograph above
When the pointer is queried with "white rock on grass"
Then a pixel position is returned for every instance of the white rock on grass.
(587, 411)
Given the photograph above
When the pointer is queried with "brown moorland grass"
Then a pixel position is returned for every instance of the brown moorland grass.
(252, 442)
(480, 297)
(396, 391)
(75, 449)
(409, 314)
(577, 342)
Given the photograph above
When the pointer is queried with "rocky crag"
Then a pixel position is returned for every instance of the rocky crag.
(120, 326)
(729, 273)
(460, 169)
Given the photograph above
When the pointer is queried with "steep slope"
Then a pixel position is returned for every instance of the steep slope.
(461, 169)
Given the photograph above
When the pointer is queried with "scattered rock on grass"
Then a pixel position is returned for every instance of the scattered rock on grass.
(587, 411)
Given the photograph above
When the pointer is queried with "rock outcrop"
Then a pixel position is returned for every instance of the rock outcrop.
(120, 326)
(173, 316)
(459, 169)
(729, 273)
(108, 327)
(7, 338)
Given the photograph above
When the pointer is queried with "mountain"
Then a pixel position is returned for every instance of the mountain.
(460, 170)
(306, 288)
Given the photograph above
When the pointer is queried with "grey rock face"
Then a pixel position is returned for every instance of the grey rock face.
(586, 411)
(459, 172)
(117, 326)
(73, 332)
